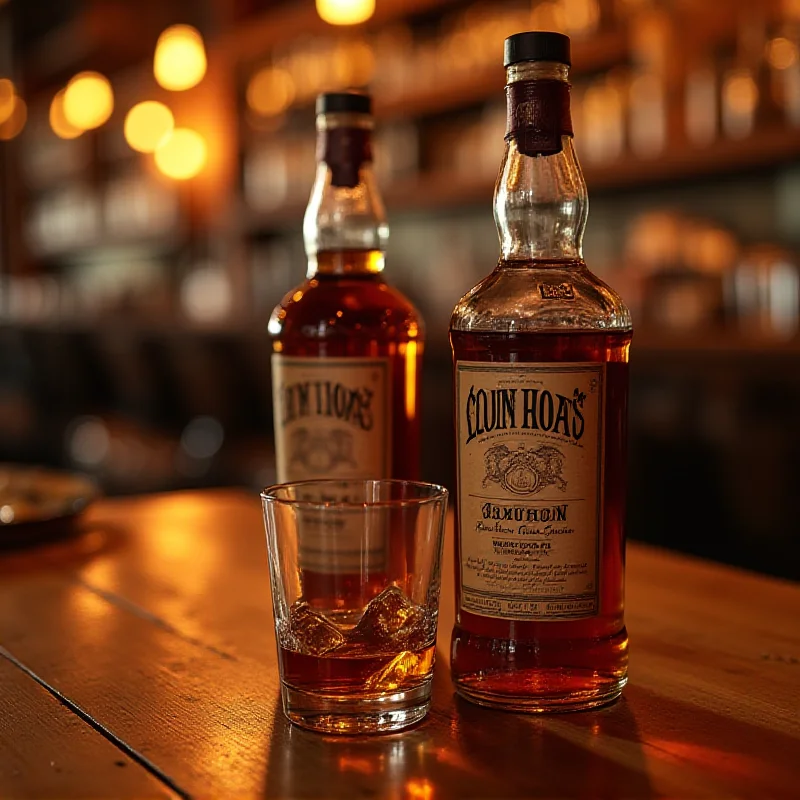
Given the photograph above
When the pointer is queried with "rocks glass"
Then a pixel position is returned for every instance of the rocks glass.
(355, 568)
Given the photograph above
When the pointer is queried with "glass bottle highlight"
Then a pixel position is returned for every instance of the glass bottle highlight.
(540, 352)
(347, 347)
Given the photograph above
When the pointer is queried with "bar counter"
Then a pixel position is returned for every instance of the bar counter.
(138, 659)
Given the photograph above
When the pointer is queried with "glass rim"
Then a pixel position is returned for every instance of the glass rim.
(438, 493)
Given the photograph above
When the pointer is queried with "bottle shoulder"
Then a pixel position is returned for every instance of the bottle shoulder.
(330, 306)
(550, 296)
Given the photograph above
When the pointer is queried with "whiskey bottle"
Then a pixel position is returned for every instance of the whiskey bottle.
(540, 352)
(347, 347)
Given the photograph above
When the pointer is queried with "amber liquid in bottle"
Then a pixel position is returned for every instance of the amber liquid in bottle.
(540, 607)
(495, 658)
(345, 310)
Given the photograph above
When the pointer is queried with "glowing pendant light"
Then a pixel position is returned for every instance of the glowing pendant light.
(183, 155)
(88, 100)
(180, 59)
(148, 125)
(345, 12)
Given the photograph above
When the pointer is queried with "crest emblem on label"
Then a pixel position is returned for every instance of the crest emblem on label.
(522, 471)
(530, 488)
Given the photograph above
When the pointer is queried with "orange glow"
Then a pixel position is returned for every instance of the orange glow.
(419, 789)
(581, 16)
(548, 16)
(365, 766)
(740, 92)
(353, 63)
(270, 91)
(148, 125)
(88, 100)
(411, 379)
(16, 120)
(183, 155)
(781, 53)
(362, 63)
(58, 120)
(741, 765)
(345, 12)
(7, 95)
(180, 59)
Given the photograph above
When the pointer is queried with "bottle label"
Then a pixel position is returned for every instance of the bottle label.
(530, 477)
(538, 116)
(332, 417)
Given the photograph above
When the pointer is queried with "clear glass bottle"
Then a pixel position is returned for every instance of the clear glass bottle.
(540, 352)
(347, 347)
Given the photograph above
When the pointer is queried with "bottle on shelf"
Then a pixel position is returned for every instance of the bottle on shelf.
(540, 351)
(347, 347)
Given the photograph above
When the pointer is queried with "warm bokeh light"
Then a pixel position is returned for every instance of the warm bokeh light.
(270, 91)
(740, 92)
(183, 155)
(580, 16)
(547, 16)
(419, 789)
(88, 100)
(16, 120)
(345, 12)
(7, 95)
(180, 59)
(781, 53)
(58, 121)
(148, 125)
(353, 63)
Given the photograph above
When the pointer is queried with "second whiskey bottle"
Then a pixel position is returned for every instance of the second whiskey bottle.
(347, 347)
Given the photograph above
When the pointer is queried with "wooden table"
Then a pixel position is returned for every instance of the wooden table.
(139, 661)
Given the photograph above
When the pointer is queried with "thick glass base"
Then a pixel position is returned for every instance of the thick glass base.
(352, 714)
(541, 690)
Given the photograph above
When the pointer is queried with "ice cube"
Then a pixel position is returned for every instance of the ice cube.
(391, 618)
(401, 671)
(311, 633)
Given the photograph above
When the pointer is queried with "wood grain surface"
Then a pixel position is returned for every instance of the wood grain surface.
(155, 625)
(46, 750)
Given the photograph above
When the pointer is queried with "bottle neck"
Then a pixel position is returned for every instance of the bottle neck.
(540, 200)
(345, 215)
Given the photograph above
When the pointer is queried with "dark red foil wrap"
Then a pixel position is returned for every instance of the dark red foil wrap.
(344, 150)
(538, 116)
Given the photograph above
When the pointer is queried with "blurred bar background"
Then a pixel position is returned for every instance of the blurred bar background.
(135, 286)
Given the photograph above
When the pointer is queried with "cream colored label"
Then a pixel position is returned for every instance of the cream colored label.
(530, 460)
(332, 420)
(332, 417)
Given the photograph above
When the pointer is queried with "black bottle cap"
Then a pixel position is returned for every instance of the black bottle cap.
(344, 102)
(537, 46)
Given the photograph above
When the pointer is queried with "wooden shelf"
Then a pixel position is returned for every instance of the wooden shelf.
(451, 190)
(166, 242)
(732, 344)
(469, 87)
(768, 147)
(646, 343)
(254, 39)
(474, 86)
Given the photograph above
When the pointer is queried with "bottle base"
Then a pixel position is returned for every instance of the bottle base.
(541, 691)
